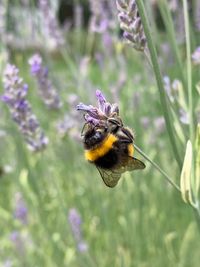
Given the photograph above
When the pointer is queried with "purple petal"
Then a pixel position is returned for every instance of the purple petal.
(84, 107)
(35, 63)
(6, 98)
(92, 111)
(82, 247)
(92, 120)
(101, 99)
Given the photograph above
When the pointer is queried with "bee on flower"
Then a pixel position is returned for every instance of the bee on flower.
(107, 142)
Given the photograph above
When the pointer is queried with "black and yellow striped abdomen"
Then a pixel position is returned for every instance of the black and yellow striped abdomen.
(107, 153)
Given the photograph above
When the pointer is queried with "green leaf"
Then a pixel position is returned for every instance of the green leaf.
(197, 171)
(185, 181)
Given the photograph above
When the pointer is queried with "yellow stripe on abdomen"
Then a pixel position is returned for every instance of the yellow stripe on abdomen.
(130, 150)
(101, 149)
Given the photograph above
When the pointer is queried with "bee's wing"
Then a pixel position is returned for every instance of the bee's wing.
(109, 177)
(133, 164)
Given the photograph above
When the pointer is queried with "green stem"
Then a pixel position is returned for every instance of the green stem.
(196, 210)
(189, 68)
(159, 80)
(189, 83)
(158, 168)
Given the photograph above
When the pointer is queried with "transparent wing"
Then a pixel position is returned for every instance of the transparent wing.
(109, 177)
(133, 164)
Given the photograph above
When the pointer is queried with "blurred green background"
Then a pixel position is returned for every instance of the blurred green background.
(143, 221)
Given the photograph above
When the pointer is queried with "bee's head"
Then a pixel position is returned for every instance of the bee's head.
(93, 135)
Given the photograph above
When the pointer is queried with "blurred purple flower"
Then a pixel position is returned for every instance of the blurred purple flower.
(18, 242)
(145, 122)
(107, 42)
(70, 124)
(75, 222)
(99, 18)
(130, 23)
(82, 247)
(7, 263)
(167, 85)
(98, 115)
(47, 92)
(20, 211)
(196, 56)
(172, 88)
(100, 59)
(159, 124)
(183, 115)
(51, 23)
(21, 242)
(14, 236)
(20, 108)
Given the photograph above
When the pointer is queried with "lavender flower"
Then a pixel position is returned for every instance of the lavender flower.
(20, 211)
(97, 116)
(145, 122)
(69, 125)
(82, 247)
(131, 24)
(159, 124)
(18, 242)
(172, 88)
(46, 90)
(75, 224)
(7, 263)
(99, 20)
(20, 108)
(51, 23)
(184, 116)
(196, 56)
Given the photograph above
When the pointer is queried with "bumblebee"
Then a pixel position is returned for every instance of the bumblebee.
(110, 148)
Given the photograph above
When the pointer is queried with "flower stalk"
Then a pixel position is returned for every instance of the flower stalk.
(159, 80)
